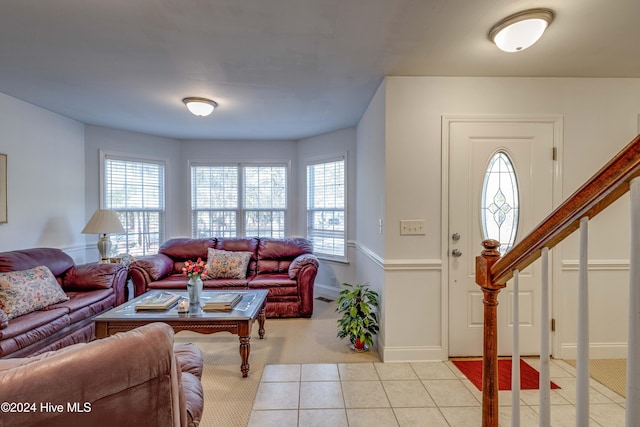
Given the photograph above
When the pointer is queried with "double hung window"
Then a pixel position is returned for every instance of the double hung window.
(135, 189)
(326, 207)
(239, 200)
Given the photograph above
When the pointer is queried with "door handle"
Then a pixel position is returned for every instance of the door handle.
(456, 253)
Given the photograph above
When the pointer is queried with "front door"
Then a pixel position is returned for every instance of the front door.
(500, 187)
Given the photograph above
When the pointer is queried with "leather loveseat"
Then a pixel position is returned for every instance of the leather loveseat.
(287, 268)
(135, 378)
(89, 288)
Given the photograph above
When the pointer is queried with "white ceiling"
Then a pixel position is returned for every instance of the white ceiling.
(280, 69)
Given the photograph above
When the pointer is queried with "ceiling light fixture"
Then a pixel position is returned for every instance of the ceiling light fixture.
(201, 107)
(520, 30)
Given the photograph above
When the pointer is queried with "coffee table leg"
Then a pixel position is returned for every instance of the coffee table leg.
(261, 318)
(245, 349)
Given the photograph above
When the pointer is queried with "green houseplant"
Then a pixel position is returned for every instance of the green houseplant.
(359, 321)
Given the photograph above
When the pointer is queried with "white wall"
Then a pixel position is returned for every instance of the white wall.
(136, 145)
(46, 205)
(600, 117)
(330, 274)
(370, 203)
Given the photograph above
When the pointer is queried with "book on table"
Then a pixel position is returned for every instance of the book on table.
(158, 301)
(220, 301)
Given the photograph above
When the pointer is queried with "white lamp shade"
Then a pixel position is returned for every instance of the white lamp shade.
(521, 30)
(200, 107)
(103, 221)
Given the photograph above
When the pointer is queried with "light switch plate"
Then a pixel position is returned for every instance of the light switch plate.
(412, 227)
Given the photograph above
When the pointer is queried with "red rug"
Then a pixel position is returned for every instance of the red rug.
(529, 377)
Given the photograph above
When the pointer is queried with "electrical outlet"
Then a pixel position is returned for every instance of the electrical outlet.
(414, 227)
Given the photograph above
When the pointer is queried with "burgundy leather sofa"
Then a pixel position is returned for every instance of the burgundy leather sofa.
(285, 267)
(134, 378)
(91, 288)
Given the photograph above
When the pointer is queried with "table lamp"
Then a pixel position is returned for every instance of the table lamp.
(104, 222)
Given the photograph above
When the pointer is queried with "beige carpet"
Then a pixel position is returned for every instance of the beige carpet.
(229, 397)
(612, 373)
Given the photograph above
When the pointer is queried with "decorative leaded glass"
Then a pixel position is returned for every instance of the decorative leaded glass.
(500, 203)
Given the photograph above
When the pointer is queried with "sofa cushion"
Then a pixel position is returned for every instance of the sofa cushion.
(189, 358)
(227, 264)
(276, 255)
(31, 328)
(90, 276)
(22, 292)
(57, 260)
(82, 305)
(182, 249)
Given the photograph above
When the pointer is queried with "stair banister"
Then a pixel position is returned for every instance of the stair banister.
(493, 271)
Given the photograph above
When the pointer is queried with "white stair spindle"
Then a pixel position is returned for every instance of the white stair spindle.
(544, 385)
(515, 354)
(582, 359)
(633, 350)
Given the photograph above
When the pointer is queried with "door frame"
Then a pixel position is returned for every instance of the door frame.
(557, 199)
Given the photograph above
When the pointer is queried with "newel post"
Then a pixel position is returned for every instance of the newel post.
(489, 256)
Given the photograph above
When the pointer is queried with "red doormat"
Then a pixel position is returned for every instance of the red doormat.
(529, 377)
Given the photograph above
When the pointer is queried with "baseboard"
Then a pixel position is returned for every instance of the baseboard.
(325, 290)
(596, 351)
(412, 354)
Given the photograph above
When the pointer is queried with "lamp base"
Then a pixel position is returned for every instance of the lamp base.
(104, 247)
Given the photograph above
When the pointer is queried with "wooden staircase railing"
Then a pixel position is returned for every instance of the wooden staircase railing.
(493, 271)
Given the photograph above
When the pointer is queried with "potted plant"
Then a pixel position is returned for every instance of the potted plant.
(359, 321)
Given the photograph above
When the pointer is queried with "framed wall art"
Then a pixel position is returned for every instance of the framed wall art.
(3, 188)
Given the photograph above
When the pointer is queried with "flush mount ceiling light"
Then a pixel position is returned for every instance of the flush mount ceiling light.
(200, 106)
(520, 30)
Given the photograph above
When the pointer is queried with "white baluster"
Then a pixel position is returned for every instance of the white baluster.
(582, 362)
(544, 385)
(633, 350)
(515, 354)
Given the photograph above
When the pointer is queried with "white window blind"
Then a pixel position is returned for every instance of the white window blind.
(239, 200)
(326, 207)
(135, 189)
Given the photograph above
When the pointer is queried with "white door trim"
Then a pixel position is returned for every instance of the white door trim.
(447, 121)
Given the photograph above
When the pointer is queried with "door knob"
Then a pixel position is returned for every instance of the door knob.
(456, 253)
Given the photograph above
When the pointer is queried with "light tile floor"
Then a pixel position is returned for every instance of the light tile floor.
(409, 394)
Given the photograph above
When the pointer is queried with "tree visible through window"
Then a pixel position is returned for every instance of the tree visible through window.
(326, 207)
(135, 190)
(238, 200)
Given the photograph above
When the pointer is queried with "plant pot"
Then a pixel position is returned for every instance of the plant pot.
(359, 346)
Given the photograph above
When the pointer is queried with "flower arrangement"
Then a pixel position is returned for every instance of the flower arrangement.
(195, 268)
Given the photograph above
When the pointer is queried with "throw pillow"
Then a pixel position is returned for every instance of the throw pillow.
(22, 292)
(227, 264)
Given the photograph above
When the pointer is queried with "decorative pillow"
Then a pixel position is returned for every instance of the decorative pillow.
(22, 292)
(227, 264)
(4, 320)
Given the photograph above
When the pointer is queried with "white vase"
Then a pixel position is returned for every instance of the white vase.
(194, 287)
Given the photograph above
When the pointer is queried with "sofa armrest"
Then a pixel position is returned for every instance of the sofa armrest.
(304, 270)
(302, 261)
(88, 277)
(147, 269)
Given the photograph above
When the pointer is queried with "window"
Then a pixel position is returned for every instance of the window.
(326, 207)
(500, 202)
(238, 200)
(135, 190)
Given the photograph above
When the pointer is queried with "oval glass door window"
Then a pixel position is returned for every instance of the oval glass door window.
(500, 204)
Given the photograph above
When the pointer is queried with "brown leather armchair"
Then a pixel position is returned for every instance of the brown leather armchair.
(136, 378)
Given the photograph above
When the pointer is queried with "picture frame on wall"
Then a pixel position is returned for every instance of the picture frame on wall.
(3, 188)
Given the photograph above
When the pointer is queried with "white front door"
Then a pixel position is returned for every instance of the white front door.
(528, 146)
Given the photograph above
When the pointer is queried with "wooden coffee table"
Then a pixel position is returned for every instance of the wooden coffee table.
(239, 321)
